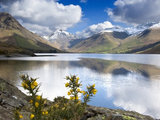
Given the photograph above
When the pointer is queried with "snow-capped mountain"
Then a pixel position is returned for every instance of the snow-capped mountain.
(156, 25)
(63, 40)
(61, 34)
(135, 30)
(60, 38)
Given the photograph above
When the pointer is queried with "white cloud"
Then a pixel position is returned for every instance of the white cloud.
(95, 28)
(135, 11)
(47, 14)
(41, 30)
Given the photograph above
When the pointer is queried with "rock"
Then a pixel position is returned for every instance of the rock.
(8, 103)
(100, 113)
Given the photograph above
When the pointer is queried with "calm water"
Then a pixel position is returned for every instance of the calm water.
(130, 82)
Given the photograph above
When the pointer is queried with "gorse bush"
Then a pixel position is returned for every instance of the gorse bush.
(61, 107)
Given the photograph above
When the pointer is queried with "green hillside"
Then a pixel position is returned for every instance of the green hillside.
(118, 42)
(100, 43)
(14, 38)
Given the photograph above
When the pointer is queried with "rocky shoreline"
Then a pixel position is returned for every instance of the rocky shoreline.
(11, 97)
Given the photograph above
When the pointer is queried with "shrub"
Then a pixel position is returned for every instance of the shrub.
(61, 108)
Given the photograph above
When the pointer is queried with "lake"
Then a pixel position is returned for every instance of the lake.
(124, 81)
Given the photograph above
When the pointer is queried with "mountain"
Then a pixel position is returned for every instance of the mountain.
(14, 38)
(100, 43)
(109, 40)
(147, 41)
(61, 39)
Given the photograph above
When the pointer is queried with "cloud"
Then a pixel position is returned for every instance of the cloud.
(135, 11)
(109, 27)
(83, 1)
(94, 29)
(47, 14)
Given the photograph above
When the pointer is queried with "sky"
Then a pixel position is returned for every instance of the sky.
(80, 16)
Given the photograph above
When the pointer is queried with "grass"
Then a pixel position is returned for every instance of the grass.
(25, 43)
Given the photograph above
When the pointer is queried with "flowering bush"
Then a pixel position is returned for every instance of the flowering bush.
(61, 108)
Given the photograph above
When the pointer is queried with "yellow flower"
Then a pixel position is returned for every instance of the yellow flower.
(94, 91)
(72, 97)
(71, 90)
(24, 85)
(31, 101)
(38, 97)
(20, 116)
(45, 112)
(56, 105)
(31, 116)
(78, 90)
(35, 83)
(67, 84)
(32, 86)
(93, 85)
(83, 92)
(63, 108)
(76, 97)
(77, 78)
(69, 93)
(87, 95)
(36, 104)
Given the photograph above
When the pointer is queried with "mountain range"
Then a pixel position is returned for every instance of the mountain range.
(141, 39)
(14, 38)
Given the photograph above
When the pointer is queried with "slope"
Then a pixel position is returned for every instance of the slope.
(100, 43)
(14, 38)
(147, 41)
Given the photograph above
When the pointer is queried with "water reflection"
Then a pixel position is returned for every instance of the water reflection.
(142, 97)
(122, 85)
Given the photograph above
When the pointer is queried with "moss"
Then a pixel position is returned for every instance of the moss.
(128, 118)
(2, 87)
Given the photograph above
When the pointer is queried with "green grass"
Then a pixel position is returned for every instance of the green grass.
(105, 46)
(25, 43)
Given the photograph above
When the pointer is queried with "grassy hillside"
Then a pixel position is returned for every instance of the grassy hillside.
(148, 39)
(118, 42)
(15, 38)
(99, 43)
(155, 50)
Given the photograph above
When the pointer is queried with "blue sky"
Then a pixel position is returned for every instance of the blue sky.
(94, 11)
(46, 16)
